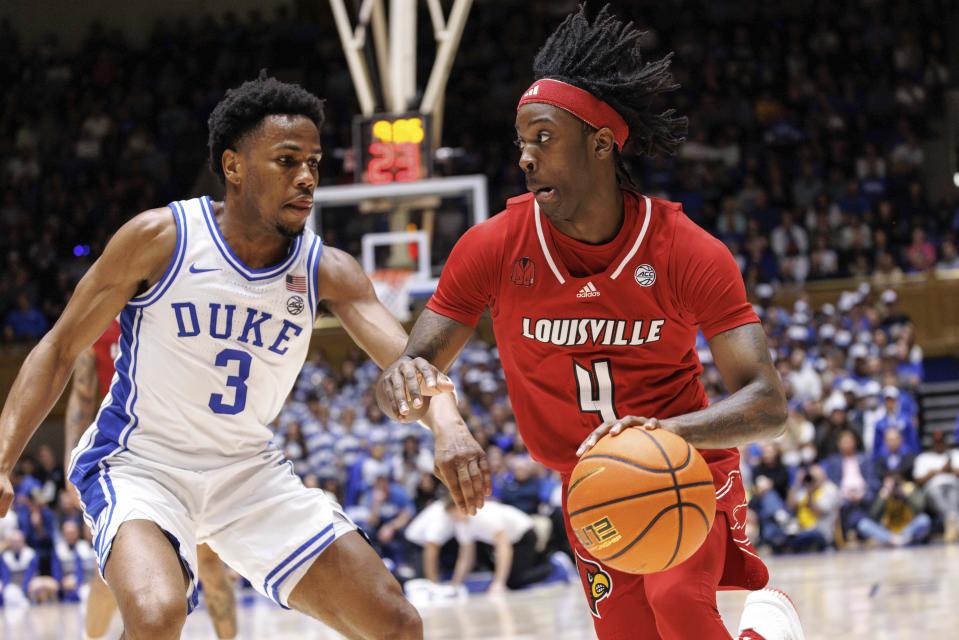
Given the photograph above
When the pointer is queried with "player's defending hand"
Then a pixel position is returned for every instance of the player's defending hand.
(404, 388)
(614, 428)
(461, 464)
(6, 494)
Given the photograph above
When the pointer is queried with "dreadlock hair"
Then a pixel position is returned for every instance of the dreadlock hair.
(242, 109)
(603, 58)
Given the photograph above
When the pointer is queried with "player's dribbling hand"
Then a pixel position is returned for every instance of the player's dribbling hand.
(403, 389)
(6, 494)
(462, 466)
(616, 427)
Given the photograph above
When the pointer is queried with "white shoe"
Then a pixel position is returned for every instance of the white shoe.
(771, 614)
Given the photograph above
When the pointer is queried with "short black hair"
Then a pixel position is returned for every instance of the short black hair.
(603, 58)
(242, 109)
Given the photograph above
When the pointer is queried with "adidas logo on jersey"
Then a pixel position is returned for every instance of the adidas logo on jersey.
(589, 291)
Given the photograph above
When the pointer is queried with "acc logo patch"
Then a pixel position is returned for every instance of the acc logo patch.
(645, 275)
(598, 583)
(295, 305)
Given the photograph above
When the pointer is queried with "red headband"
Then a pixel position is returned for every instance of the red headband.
(580, 103)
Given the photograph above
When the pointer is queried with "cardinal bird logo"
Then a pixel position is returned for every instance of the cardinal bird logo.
(598, 583)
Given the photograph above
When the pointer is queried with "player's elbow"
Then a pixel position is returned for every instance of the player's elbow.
(775, 412)
(56, 351)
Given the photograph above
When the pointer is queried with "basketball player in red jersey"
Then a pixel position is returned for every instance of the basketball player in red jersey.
(91, 381)
(597, 293)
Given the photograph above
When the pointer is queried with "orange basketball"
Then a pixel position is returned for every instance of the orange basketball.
(642, 501)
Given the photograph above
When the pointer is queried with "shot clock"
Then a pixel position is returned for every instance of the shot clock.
(392, 148)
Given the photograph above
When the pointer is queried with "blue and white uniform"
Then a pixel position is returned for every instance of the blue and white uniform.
(208, 355)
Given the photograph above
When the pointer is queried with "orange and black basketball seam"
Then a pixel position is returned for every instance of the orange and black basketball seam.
(580, 481)
(633, 496)
(679, 493)
(669, 469)
(642, 534)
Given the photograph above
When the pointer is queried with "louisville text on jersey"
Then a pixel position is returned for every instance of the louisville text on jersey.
(571, 332)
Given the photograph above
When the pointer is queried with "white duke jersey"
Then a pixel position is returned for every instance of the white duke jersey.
(207, 355)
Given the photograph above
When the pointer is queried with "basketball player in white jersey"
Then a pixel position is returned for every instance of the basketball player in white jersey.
(92, 375)
(216, 304)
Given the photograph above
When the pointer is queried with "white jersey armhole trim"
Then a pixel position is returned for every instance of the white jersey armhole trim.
(313, 280)
(155, 292)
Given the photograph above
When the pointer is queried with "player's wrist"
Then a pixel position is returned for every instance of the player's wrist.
(6, 465)
(446, 428)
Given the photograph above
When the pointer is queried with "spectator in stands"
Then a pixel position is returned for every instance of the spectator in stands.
(852, 471)
(789, 234)
(413, 462)
(522, 485)
(824, 261)
(25, 322)
(896, 457)
(294, 448)
(895, 419)
(804, 380)
(815, 500)
(388, 510)
(24, 479)
(38, 522)
(50, 474)
(935, 471)
(797, 442)
(771, 512)
(376, 464)
(20, 574)
(836, 420)
(897, 516)
(350, 441)
(771, 466)
(7, 524)
(921, 254)
(949, 257)
(74, 561)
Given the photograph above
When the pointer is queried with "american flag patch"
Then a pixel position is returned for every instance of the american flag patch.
(296, 284)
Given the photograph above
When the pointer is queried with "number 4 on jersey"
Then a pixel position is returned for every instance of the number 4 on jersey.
(595, 388)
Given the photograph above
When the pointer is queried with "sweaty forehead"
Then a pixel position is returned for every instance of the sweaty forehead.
(536, 113)
(277, 129)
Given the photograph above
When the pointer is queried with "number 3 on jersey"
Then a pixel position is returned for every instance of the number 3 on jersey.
(595, 388)
(238, 382)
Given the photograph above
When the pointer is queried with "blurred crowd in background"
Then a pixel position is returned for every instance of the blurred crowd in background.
(850, 469)
(805, 150)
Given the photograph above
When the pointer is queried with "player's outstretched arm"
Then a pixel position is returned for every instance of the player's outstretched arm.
(460, 462)
(134, 259)
(434, 343)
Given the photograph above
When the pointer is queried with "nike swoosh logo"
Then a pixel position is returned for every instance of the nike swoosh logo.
(195, 269)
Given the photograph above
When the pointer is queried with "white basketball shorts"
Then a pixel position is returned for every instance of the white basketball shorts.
(254, 513)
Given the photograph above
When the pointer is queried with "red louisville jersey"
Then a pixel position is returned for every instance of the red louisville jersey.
(580, 350)
(105, 351)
